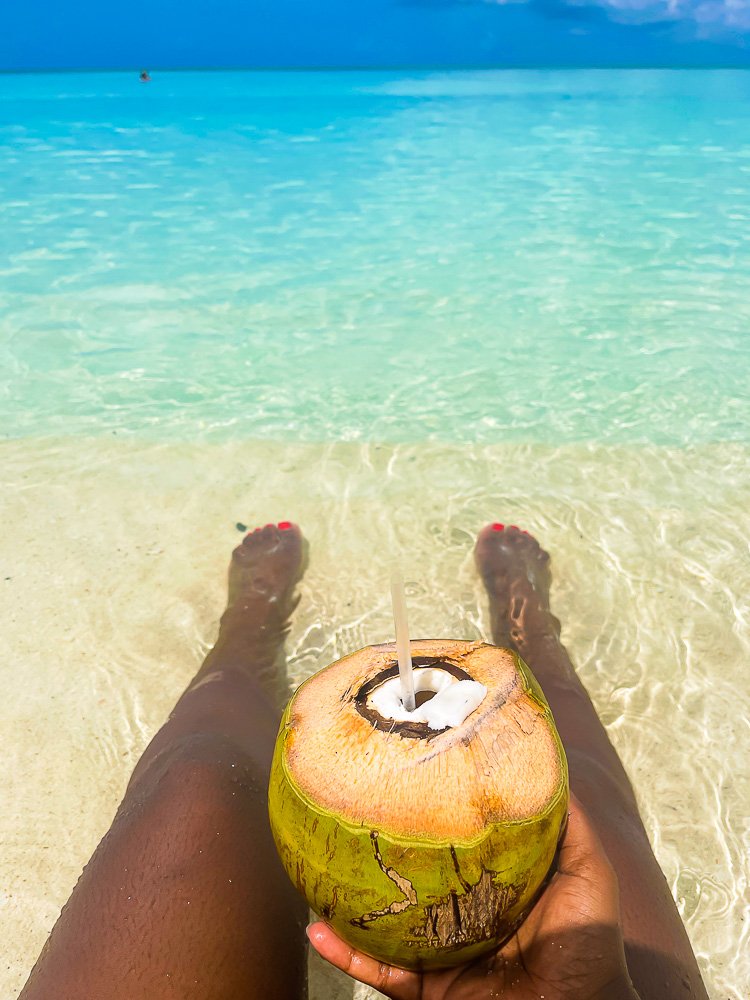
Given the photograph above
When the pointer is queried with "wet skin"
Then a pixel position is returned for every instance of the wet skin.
(516, 574)
(185, 896)
(567, 949)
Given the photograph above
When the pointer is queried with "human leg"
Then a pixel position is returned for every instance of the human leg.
(516, 575)
(185, 896)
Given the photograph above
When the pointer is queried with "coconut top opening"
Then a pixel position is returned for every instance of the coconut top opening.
(503, 764)
(443, 700)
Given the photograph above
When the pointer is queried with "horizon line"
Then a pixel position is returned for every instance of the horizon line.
(392, 67)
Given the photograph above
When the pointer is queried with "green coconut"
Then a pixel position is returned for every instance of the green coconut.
(421, 848)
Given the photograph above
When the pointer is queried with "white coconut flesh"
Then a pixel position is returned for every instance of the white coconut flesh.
(452, 702)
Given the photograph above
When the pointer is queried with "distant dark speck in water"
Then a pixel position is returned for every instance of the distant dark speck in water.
(240, 526)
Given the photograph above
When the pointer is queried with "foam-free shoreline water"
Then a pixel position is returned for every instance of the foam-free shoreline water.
(114, 575)
(475, 257)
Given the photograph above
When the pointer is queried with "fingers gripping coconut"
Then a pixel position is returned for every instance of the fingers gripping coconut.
(422, 837)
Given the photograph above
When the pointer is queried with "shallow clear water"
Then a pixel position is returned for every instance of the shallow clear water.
(552, 257)
(392, 307)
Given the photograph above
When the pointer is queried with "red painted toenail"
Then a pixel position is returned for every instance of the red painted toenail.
(515, 526)
(285, 525)
(497, 526)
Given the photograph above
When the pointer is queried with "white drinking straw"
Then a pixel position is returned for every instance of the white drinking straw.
(402, 642)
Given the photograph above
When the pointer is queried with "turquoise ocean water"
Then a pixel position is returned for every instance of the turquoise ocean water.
(523, 256)
(392, 307)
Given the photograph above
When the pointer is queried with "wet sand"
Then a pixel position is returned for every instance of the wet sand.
(114, 568)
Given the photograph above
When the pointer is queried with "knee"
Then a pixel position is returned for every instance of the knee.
(207, 758)
(206, 767)
(197, 790)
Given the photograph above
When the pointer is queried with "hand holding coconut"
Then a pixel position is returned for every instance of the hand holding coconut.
(423, 837)
(570, 947)
(449, 796)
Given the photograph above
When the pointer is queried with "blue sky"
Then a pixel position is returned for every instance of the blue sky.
(94, 33)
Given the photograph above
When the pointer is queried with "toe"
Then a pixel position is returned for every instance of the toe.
(241, 553)
(490, 533)
(282, 540)
(496, 538)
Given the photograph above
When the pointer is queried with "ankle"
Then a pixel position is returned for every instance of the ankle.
(254, 618)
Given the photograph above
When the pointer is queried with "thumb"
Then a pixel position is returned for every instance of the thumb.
(393, 982)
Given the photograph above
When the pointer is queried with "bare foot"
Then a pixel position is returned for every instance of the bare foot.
(516, 574)
(266, 566)
(263, 574)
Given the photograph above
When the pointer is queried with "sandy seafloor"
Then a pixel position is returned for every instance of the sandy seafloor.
(114, 577)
